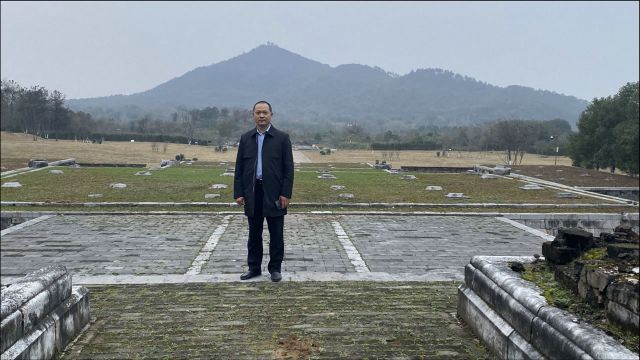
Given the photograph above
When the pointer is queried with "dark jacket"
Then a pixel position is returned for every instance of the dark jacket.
(277, 170)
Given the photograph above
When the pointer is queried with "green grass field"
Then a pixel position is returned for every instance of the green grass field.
(190, 184)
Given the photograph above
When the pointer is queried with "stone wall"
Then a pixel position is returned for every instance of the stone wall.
(41, 313)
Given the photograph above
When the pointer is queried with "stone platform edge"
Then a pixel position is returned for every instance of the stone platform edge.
(41, 314)
(513, 319)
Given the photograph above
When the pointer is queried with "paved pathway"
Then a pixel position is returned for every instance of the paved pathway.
(316, 246)
(299, 157)
(142, 272)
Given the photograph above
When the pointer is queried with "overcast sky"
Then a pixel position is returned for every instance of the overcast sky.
(87, 49)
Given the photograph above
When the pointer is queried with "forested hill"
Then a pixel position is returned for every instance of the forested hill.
(306, 90)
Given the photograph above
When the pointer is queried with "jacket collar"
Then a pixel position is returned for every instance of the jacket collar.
(267, 132)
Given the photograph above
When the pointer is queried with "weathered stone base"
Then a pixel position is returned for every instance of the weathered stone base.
(496, 333)
(515, 321)
(55, 331)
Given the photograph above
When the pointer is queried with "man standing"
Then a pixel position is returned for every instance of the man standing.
(263, 183)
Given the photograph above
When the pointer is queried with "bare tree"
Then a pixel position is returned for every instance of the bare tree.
(186, 119)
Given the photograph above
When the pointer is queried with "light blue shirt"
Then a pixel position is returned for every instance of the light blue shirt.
(260, 142)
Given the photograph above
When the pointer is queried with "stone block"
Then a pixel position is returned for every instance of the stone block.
(622, 316)
(39, 343)
(576, 238)
(518, 316)
(625, 294)
(497, 271)
(485, 288)
(59, 290)
(519, 348)
(526, 293)
(23, 289)
(558, 254)
(599, 278)
(484, 322)
(71, 316)
(468, 274)
(624, 251)
(34, 310)
(10, 330)
(566, 275)
(552, 343)
(595, 343)
(505, 305)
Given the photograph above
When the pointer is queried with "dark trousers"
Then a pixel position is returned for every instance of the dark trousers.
(276, 235)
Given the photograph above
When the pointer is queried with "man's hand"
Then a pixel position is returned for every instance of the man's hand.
(284, 202)
(240, 201)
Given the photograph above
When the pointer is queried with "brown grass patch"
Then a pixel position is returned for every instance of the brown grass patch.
(292, 347)
(17, 149)
(429, 158)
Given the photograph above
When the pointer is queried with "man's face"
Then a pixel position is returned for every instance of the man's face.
(262, 115)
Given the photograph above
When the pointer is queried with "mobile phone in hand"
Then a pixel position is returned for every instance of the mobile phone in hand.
(278, 204)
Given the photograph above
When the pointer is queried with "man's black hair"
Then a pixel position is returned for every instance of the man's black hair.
(262, 102)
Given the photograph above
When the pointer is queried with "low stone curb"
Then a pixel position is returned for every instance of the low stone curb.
(572, 189)
(515, 321)
(300, 276)
(12, 173)
(318, 205)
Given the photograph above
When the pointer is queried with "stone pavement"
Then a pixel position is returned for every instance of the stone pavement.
(214, 244)
(356, 286)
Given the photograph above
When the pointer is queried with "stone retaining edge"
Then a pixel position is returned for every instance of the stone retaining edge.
(431, 276)
(494, 332)
(12, 173)
(519, 303)
(34, 283)
(573, 189)
(55, 331)
(512, 216)
(319, 205)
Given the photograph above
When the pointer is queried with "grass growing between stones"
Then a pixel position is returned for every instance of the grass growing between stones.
(291, 320)
(556, 294)
(190, 184)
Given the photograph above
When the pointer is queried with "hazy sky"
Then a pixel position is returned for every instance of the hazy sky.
(87, 49)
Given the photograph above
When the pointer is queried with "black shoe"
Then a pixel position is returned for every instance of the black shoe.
(276, 276)
(249, 274)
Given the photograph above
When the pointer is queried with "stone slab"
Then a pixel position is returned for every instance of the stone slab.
(24, 289)
(37, 344)
(71, 317)
(11, 330)
(485, 323)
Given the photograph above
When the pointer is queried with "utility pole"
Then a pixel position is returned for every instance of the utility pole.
(555, 159)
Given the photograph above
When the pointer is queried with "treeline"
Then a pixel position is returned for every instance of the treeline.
(512, 136)
(43, 114)
(608, 133)
(36, 111)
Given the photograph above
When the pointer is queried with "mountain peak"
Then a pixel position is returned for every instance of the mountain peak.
(301, 86)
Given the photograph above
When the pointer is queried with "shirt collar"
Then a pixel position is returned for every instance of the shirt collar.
(259, 133)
